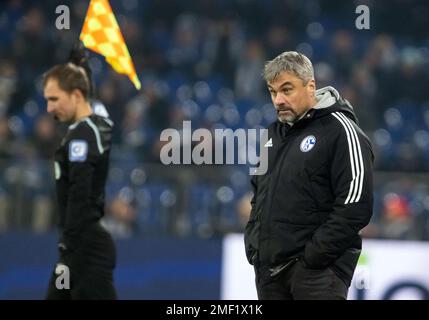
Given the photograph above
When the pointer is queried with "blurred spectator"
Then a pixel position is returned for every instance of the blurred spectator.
(8, 82)
(364, 89)
(222, 47)
(277, 40)
(32, 30)
(30, 47)
(8, 143)
(248, 80)
(397, 221)
(184, 52)
(45, 136)
(120, 219)
(343, 56)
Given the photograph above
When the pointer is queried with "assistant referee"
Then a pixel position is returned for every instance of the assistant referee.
(86, 249)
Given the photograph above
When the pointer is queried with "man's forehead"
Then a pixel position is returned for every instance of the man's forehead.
(284, 77)
(52, 87)
(52, 83)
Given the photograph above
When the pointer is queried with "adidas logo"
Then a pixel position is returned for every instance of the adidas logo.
(269, 143)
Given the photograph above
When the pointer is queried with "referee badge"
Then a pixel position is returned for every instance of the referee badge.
(78, 150)
(307, 143)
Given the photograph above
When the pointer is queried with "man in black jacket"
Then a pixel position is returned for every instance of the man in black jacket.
(308, 208)
(87, 252)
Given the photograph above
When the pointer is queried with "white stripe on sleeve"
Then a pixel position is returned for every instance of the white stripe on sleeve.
(355, 155)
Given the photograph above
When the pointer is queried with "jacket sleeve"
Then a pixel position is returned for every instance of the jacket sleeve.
(250, 235)
(351, 181)
(83, 153)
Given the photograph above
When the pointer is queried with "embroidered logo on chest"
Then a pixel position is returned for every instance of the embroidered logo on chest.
(307, 143)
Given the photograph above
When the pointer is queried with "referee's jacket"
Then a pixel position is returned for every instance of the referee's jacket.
(317, 193)
(81, 168)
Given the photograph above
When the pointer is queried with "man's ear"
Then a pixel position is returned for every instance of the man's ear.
(77, 96)
(311, 87)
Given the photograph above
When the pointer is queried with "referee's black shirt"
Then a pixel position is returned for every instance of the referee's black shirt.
(81, 168)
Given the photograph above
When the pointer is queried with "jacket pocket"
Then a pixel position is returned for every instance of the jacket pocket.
(346, 264)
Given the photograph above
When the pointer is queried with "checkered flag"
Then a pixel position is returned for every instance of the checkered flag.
(101, 34)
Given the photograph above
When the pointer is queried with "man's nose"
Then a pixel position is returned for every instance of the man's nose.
(279, 100)
(50, 108)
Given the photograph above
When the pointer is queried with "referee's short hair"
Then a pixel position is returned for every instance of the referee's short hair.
(70, 77)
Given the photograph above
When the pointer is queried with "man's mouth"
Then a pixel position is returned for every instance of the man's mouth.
(284, 111)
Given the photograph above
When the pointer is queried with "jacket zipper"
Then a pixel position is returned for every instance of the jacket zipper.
(282, 156)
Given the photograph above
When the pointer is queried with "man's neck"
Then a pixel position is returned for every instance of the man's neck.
(313, 102)
(83, 112)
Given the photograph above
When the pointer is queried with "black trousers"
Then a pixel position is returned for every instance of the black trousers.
(300, 283)
(90, 267)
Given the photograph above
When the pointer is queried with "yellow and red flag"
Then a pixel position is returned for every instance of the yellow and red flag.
(101, 33)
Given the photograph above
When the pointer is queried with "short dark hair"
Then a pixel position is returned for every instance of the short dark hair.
(70, 77)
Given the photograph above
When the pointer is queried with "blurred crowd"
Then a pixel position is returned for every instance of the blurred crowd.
(202, 61)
